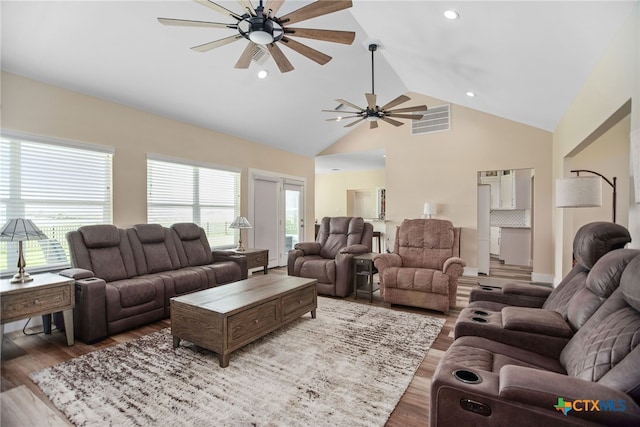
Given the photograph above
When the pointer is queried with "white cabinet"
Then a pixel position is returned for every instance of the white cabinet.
(515, 189)
(515, 246)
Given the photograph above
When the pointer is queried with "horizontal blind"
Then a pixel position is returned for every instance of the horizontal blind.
(182, 192)
(60, 187)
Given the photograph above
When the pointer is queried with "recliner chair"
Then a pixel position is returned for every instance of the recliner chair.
(481, 382)
(329, 259)
(424, 268)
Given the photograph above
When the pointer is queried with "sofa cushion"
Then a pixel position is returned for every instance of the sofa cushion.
(136, 291)
(187, 230)
(107, 264)
(536, 321)
(150, 233)
(425, 244)
(595, 239)
(629, 283)
(324, 270)
(418, 279)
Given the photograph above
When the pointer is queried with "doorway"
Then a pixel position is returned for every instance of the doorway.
(276, 211)
(505, 222)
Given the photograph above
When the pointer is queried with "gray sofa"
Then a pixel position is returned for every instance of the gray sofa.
(125, 277)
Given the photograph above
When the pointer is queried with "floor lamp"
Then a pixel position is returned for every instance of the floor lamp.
(583, 191)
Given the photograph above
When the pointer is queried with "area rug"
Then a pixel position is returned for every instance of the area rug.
(349, 366)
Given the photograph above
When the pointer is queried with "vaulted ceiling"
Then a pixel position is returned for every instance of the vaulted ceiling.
(524, 60)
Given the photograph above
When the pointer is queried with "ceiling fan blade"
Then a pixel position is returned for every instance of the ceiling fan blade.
(404, 116)
(212, 45)
(274, 5)
(341, 111)
(397, 101)
(318, 8)
(334, 36)
(373, 125)
(190, 23)
(337, 119)
(281, 61)
(371, 100)
(247, 55)
(354, 122)
(218, 8)
(342, 101)
(420, 108)
(247, 6)
(393, 122)
(305, 50)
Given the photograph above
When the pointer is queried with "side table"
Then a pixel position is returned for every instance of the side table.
(363, 266)
(46, 293)
(255, 258)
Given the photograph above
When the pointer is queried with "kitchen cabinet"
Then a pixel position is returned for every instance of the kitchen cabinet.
(515, 246)
(515, 189)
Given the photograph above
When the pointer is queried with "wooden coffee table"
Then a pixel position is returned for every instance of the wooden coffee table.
(227, 317)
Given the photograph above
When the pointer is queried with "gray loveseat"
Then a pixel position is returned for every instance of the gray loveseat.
(125, 277)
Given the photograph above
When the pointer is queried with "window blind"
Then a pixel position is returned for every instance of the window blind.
(180, 191)
(60, 186)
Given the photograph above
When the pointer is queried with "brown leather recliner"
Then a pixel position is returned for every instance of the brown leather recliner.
(329, 259)
(591, 241)
(424, 267)
(594, 381)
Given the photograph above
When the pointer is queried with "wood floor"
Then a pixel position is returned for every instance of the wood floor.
(23, 354)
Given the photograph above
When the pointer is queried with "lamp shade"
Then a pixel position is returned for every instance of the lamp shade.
(19, 229)
(240, 222)
(579, 192)
(430, 209)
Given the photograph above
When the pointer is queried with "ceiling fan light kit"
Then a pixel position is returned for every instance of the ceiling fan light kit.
(372, 112)
(260, 26)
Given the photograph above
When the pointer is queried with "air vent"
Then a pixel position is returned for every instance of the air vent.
(260, 54)
(436, 119)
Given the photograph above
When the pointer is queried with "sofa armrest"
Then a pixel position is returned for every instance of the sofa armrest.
(382, 261)
(536, 320)
(497, 295)
(241, 260)
(355, 249)
(553, 391)
(90, 315)
(77, 273)
(308, 248)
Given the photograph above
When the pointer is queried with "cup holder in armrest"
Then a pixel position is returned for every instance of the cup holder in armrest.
(466, 376)
(479, 319)
(480, 313)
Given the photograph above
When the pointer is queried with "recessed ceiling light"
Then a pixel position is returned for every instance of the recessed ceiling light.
(338, 118)
(262, 74)
(471, 94)
(451, 14)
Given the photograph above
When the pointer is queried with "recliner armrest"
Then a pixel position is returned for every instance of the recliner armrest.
(544, 389)
(355, 249)
(308, 248)
(77, 273)
(241, 260)
(453, 261)
(536, 320)
(536, 291)
(382, 261)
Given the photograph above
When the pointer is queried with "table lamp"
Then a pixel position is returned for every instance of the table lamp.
(240, 222)
(20, 229)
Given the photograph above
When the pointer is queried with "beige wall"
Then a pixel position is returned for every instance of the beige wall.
(610, 86)
(40, 109)
(442, 168)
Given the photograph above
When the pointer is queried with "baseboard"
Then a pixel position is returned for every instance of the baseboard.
(542, 278)
(470, 272)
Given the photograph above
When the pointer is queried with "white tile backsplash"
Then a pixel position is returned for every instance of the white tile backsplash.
(511, 218)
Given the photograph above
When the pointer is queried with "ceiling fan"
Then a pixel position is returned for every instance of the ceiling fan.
(372, 113)
(261, 27)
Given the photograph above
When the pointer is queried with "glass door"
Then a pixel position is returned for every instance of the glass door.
(293, 216)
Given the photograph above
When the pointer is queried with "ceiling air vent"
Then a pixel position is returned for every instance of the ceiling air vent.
(260, 54)
(436, 119)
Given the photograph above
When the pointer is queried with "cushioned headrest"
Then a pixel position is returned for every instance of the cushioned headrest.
(596, 239)
(605, 275)
(187, 230)
(630, 283)
(100, 236)
(150, 233)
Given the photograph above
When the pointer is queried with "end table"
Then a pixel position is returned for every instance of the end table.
(363, 266)
(46, 293)
(255, 258)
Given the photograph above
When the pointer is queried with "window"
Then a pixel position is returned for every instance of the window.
(60, 186)
(187, 192)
